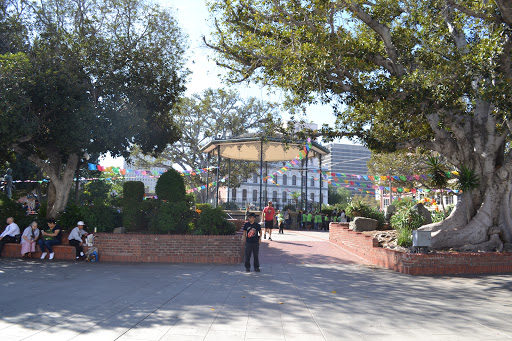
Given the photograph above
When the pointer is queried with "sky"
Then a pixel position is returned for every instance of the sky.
(193, 18)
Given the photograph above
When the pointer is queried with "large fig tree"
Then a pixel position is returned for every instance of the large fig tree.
(401, 74)
(82, 77)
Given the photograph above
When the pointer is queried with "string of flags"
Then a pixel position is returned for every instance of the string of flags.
(214, 183)
(123, 171)
(295, 162)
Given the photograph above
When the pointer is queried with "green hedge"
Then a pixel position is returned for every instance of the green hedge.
(213, 221)
(133, 196)
(170, 187)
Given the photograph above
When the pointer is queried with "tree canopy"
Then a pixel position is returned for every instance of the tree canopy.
(213, 113)
(400, 74)
(87, 77)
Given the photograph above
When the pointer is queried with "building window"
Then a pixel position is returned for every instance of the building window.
(321, 198)
(254, 195)
(313, 197)
(274, 196)
(294, 180)
(255, 178)
(265, 198)
(233, 194)
(312, 182)
(304, 183)
(285, 197)
(285, 179)
(449, 200)
(244, 195)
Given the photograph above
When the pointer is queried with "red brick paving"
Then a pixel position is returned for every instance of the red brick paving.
(312, 251)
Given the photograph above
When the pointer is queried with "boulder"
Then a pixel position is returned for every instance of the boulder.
(422, 211)
(361, 224)
(120, 230)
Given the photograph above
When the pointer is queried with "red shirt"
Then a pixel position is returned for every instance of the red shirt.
(268, 213)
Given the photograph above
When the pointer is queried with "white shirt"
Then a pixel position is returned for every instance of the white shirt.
(77, 234)
(11, 230)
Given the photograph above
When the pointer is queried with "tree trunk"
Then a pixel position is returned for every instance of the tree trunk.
(473, 220)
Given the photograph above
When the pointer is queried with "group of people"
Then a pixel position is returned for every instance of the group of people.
(45, 239)
(318, 220)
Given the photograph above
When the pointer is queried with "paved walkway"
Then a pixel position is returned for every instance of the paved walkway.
(342, 299)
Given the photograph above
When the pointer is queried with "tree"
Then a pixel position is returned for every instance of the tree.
(400, 74)
(214, 113)
(339, 195)
(86, 77)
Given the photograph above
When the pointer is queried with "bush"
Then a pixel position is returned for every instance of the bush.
(171, 217)
(202, 207)
(405, 220)
(361, 209)
(133, 195)
(213, 221)
(230, 206)
(170, 187)
(71, 215)
(11, 208)
(102, 217)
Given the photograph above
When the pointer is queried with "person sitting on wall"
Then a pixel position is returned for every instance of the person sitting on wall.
(75, 239)
(29, 239)
(9, 234)
(50, 239)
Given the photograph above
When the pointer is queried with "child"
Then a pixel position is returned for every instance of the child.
(280, 221)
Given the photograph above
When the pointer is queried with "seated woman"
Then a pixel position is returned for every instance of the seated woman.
(28, 240)
(50, 239)
(75, 239)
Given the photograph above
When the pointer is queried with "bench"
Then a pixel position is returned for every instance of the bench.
(62, 251)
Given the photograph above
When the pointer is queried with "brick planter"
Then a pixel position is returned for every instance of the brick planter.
(415, 263)
(169, 248)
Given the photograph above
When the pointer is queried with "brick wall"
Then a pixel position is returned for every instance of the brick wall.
(169, 248)
(415, 263)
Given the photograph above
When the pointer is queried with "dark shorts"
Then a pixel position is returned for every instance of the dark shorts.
(269, 224)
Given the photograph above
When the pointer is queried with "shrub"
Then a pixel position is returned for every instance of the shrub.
(133, 195)
(102, 217)
(213, 221)
(405, 220)
(230, 206)
(71, 215)
(171, 217)
(202, 207)
(361, 209)
(11, 208)
(170, 187)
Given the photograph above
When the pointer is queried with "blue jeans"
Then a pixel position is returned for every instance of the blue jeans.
(47, 244)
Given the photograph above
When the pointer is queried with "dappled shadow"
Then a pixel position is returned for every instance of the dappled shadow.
(148, 301)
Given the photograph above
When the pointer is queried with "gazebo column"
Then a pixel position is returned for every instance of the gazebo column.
(229, 176)
(208, 177)
(266, 183)
(302, 207)
(218, 174)
(307, 157)
(261, 173)
(320, 166)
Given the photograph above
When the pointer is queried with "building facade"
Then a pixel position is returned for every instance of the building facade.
(284, 189)
(351, 160)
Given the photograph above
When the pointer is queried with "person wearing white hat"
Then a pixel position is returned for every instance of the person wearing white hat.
(75, 239)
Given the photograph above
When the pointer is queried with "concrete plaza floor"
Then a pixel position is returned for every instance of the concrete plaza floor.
(308, 290)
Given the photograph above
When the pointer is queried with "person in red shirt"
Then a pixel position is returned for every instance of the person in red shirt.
(268, 216)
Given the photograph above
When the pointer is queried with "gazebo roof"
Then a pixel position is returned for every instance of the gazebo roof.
(249, 147)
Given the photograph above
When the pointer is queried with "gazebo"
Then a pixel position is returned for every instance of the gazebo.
(253, 147)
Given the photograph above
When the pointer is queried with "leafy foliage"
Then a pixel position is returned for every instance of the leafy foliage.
(358, 208)
(133, 194)
(171, 217)
(405, 220)
(90, 76)
(213, 221)
(170, 187)
(10, 208)
(213, 113)
(468, 179)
